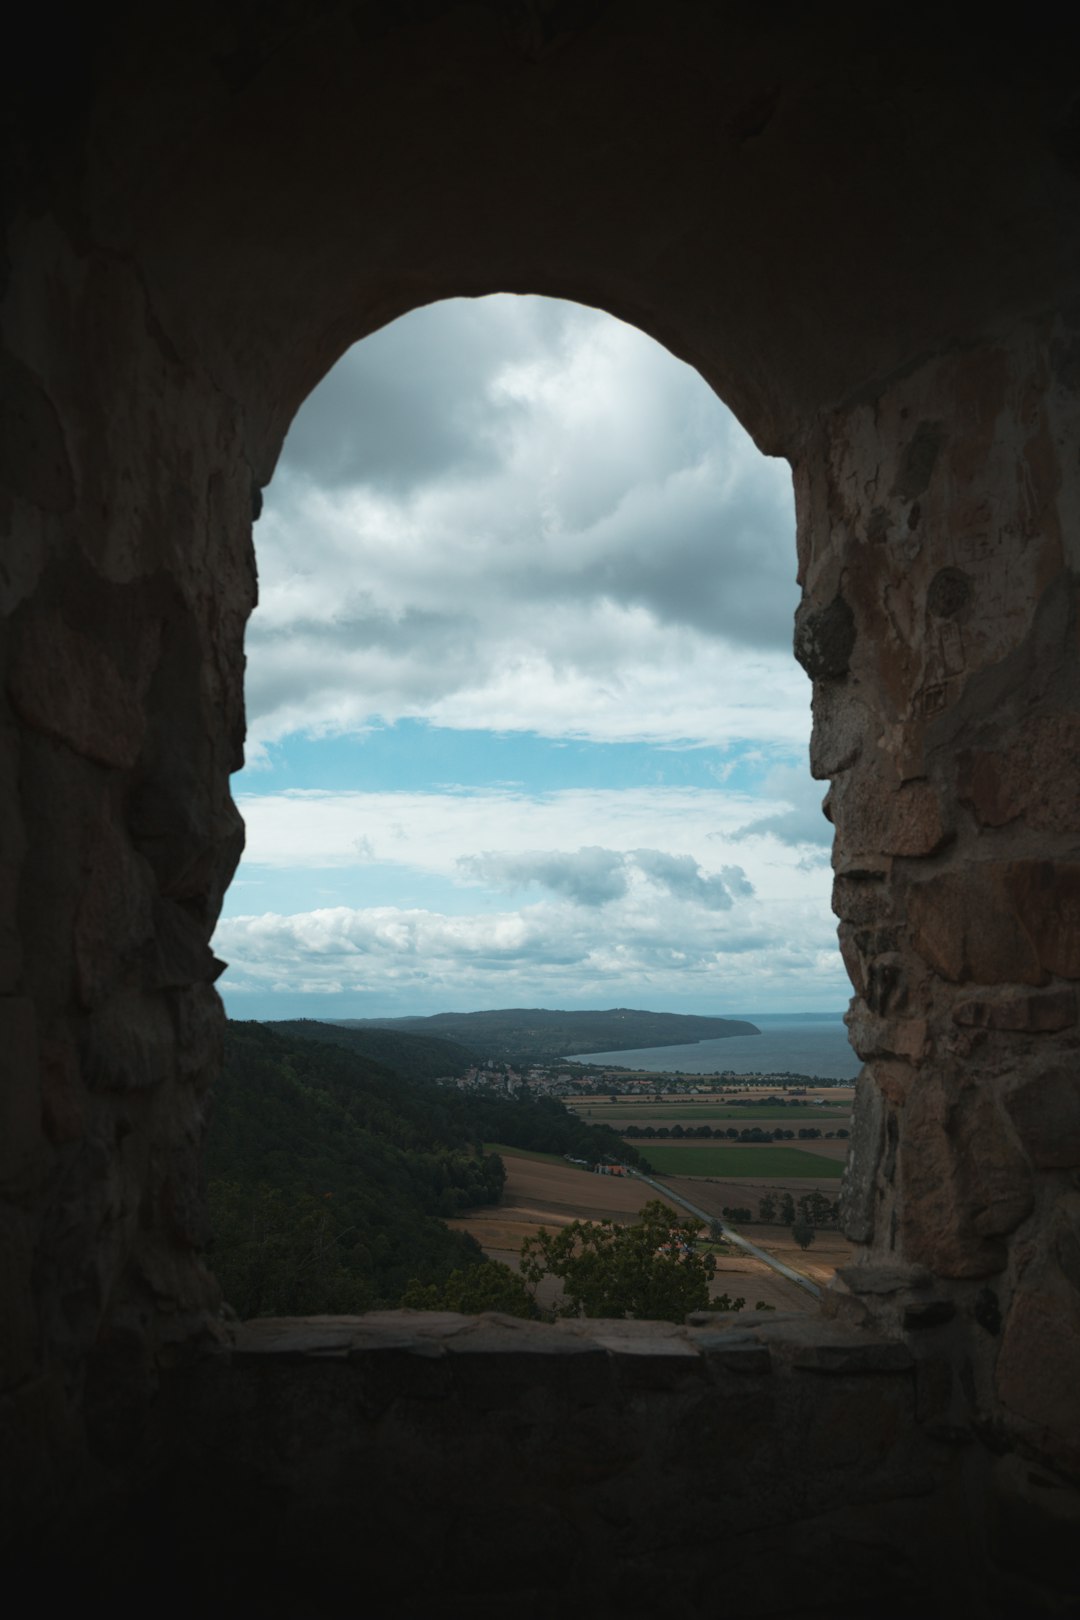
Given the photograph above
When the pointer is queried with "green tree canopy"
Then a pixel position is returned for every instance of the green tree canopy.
(490, 1286)
(650, 1269)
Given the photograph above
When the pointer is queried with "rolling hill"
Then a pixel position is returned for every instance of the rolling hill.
(537, 1033)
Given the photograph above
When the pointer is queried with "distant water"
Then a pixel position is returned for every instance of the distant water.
(799, 1043)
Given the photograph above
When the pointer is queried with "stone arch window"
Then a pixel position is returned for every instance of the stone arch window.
(871, 253)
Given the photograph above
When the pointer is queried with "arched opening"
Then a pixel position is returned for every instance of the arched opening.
(525, 730)
(562, 567)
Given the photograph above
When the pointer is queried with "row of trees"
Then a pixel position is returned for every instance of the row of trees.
(813, 1208)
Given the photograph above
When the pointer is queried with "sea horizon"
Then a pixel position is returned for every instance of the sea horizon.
(789, 1043)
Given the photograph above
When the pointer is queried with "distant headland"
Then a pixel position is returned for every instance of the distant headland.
(538, 1032)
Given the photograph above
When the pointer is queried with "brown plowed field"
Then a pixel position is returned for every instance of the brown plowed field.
(552, 1195)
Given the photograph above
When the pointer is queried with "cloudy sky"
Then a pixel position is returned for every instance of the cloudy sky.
(525, 726)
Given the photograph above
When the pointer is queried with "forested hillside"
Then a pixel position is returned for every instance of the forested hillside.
(328, 1173)
(540, 1034)
(421, 1057)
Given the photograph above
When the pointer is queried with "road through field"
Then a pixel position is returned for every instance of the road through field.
(548, 1193)
(734, 1237)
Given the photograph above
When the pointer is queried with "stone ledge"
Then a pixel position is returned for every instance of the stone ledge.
(731, 1344)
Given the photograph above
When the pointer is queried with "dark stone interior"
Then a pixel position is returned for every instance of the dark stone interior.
(861, 226)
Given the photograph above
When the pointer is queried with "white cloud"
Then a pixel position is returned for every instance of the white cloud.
(467, 836)
(519, 515)
(663, 923)
(683, 877)
(800, 820)
(525, 515)
(554, 951)
(588, 877)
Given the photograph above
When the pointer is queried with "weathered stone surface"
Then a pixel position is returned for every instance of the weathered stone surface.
(842, 727)
(967, 926)
(889, 818)
(965, 1183)
(1036, 1368)
(34, 460)
(114, 923)
(62, 1093)
(64, 683)
(874, 1037)
(858, 1195)
(930, 1313)
(882, 1357)
(18, 1322)
(884, 1279)
(1036, 1013)
(22, 1144)
(825, 639)
(1046, 1113)
(1065, 1237)
(1037, 777)
(128, 1044)
(1046, 896)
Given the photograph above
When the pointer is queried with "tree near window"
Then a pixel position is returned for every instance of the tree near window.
(651, 1269)
(490, 1286)
(803, 1233)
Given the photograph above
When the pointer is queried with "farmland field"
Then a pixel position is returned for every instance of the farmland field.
(651, 1112)
(544, 1191)
(746, 1160)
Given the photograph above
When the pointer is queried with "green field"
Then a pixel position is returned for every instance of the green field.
(627, 1113)
(733, 1161)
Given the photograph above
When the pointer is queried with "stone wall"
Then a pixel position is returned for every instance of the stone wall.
(940, 544)
(870, 250)
(406, 1461)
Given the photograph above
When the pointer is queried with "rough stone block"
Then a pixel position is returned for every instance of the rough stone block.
(1037, 777)
(62, 1094)
(725, 1357)
(65, 684)
(889, 818)
(1036, 1368)
(966, 926)
(965, 1183)
(22, 1143)
(825, 639)
(1034, 1013)
(841, 722)
(1046, 1113)
(874, 1356)
(1046, 897)
(18, 1319)
(1065, 1238)
(874, 1037)
(128, 1044)
(179, 955)
(11, 954)
(929, 1313)
(858, 1195)
(870, 1278)
(113, 923)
